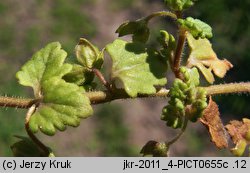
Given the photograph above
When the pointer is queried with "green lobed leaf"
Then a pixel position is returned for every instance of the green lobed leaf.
(203, 57)
(138, 29)
(138, 68)
(196, 27)
(179, 5)
(45, 64)
(62, 103)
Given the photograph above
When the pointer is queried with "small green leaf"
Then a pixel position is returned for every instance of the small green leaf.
(61, 103)
(137, 67)
(196, 27)
(138, 29)
(179, 5)
(25, 147)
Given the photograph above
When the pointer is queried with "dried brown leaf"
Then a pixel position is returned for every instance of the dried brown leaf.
(238, 129)
(211, 120)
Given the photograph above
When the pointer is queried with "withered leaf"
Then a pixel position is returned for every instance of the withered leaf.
(211, 120)
(239, 132)
(203, 57)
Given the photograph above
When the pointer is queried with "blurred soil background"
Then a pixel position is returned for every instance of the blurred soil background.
(119, 128)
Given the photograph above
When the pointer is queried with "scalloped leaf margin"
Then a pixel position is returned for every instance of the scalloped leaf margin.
(139, 68)
(61, 103)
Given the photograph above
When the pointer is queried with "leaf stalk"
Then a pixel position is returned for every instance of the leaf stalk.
(31, 135)
(162, 14)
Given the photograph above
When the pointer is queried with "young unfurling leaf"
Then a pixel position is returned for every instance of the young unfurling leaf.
(88, 55)
(205, 59)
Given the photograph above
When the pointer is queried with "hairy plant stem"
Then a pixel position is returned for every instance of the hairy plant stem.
(175, 66)
(178, 52)
(97, 97)
(17, 102)
(40, 145)
(242, 87)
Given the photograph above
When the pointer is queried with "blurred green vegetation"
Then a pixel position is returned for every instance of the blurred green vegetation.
(112, 135)
(121, 5)
(70, 22)
(12, 121)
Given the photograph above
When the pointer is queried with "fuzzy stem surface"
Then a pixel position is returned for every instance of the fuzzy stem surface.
(97, 97)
